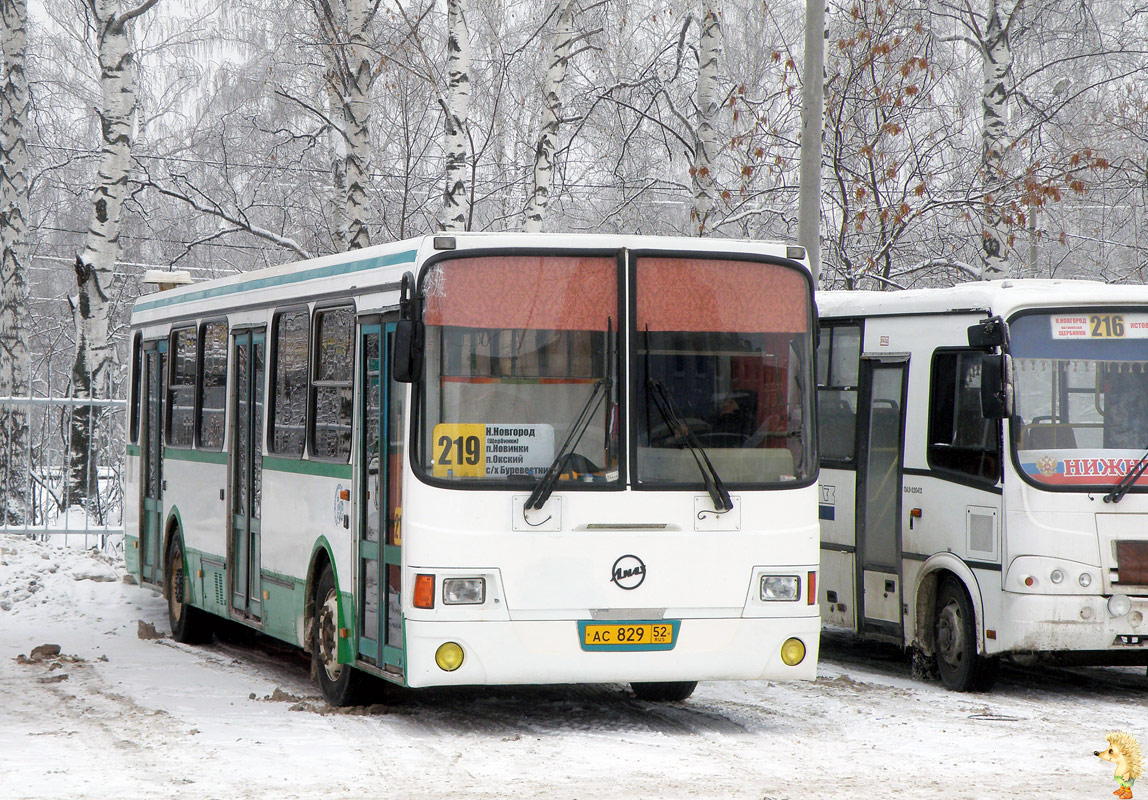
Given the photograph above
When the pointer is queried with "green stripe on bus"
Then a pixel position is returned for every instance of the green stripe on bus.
(198, 456)
(134, 450)
(345, 268)
(301, 467)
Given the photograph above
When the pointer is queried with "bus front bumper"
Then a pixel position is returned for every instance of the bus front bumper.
(542, 652)
(1069, 623)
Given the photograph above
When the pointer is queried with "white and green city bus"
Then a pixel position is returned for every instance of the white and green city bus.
(489, 459)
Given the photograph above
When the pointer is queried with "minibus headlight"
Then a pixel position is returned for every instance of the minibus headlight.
(1085, 579)
(780, 587)
(1119, 605)
(463, 591)
(1056, 576)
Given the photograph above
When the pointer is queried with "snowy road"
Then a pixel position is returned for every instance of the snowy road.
(117, 716)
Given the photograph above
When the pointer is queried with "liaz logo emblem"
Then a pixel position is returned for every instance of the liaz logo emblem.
(628, 572)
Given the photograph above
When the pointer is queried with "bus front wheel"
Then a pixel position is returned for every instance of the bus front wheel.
(189, 625)
(339, 683)
(670, 692)
(962, 669)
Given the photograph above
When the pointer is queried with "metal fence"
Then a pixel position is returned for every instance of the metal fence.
(38, 496)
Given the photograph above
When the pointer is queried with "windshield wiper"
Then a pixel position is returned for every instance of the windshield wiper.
(1126, 483)
(677, 424)
(546, 484)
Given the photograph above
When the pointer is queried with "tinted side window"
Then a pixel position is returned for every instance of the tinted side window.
(960, 438)
(331, 383)
(137, 378)
(838, 365)
(213, 386)
(289, 398)
(181, 389)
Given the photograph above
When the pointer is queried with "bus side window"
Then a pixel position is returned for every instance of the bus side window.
(137, 377)
(838, 367)
(289, 388)
(181, 387)
(212, 385)
(331, 383)
(960, 438)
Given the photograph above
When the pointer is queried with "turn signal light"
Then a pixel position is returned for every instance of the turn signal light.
(793, 652)
(811, 588)
(424, 591)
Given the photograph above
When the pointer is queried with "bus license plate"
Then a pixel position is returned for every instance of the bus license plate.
(628, 635)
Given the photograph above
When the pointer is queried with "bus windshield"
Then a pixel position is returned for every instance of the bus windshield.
(1081, 383)
(726, 342)
(518, 348)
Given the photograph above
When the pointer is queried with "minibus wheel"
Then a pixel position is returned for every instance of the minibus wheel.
(339, 683)
(962, 669)
(670, 692)
(189, 625)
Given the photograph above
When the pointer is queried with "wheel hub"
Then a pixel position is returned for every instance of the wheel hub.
(950, 636)
(328, 636)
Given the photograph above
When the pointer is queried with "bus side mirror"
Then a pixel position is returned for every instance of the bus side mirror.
(996, 386)
(988, 333)
(407, 356)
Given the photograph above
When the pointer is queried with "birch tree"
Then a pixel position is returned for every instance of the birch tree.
(455, 205)
(94, 266)
(551, 118)
(14, 316)
(345, 25)
(997, 51)
(708, 103)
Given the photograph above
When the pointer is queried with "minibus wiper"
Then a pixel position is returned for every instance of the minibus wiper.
(546, 484)
(674, 420)
(1126, 483)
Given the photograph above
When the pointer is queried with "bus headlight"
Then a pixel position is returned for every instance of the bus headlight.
(463, 591)
(1056, 576)
(781, 587)
(792, 652)
(1085, 579)
(1119, 605)
(448, 656)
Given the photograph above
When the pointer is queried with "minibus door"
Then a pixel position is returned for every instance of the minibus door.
(151, 452)
(382, 410)
(879, 498)
(246, 473)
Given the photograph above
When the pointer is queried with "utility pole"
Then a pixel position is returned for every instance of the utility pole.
(812, 114)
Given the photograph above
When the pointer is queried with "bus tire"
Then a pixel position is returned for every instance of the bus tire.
(189, 625)
(339, 683)
(961, 667)
(669, 692)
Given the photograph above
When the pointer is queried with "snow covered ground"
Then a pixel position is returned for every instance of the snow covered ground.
(118, 716)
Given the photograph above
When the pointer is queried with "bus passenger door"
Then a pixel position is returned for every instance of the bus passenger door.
(879, 500)
(246, 472)
(379, 498)
(151, 452)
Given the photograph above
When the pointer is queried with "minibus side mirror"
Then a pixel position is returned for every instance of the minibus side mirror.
(988, 333)
(407, 355)
(996, 386)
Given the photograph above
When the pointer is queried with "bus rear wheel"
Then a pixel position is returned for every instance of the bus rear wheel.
(961, 668)
(339, 683)
(189, 625)
(670, 692)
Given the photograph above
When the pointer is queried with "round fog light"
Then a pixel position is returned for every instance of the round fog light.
(448, 657)
(1135, 618)
(1119, 605)
(792, 652)
(1086, 613)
